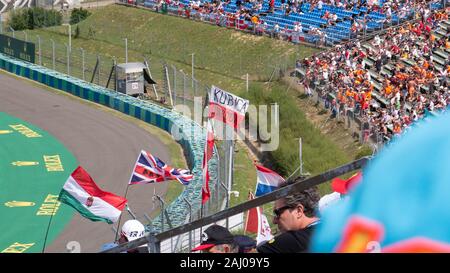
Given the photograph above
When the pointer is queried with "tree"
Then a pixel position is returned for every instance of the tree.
(78, 15)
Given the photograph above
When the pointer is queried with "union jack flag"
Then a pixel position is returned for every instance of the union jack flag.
(150, 169)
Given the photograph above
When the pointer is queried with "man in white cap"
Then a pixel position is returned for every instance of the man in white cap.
(132, 230)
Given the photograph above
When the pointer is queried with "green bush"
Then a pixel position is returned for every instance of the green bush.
(19, 19)
(78, 15)
(31, 18)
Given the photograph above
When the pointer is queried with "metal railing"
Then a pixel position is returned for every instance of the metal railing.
(153, 241)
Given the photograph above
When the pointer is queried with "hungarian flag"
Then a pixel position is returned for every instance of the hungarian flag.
(226, 107)
(206, 157)
(81, 193)
(150, 169)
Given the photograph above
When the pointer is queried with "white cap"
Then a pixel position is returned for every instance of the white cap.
(133, 229)
(328, 200)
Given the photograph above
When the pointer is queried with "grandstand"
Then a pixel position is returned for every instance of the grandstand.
(390, 81)
(282, 21)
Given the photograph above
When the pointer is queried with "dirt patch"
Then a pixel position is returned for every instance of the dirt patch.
(245, 38)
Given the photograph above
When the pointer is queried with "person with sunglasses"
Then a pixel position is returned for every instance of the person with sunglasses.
(295, 216)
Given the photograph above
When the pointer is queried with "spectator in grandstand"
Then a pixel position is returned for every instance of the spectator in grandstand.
(349, 65)
(238, 4)
(298, 28)
(217, 239)
(320, 5)
(295, 216)
(271, 5)
(276, 31)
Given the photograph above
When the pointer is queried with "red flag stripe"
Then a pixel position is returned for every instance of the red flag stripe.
(208, 151)
(87, 183)
(225, 115)
(252, 221)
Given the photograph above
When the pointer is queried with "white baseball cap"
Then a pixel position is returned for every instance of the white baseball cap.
(133, 229)
(328, 200)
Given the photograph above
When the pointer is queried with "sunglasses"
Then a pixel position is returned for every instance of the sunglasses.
(277, 212)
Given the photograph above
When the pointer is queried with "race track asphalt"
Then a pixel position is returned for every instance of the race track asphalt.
(105, 145)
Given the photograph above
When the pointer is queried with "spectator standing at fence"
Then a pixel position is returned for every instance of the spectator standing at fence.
(295, 216)
(307, 82)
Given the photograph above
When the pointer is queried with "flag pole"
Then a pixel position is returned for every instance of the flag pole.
(126, 192)
(49, 223)
(201, 216)
(120, 217)
(248, 212)
(230, 148)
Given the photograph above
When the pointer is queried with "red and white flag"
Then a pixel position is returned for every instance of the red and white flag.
(264, 231)
(257, 223)
(251, 223)
(226, 107)
(209, 145)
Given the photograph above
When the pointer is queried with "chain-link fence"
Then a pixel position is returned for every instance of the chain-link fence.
(99, 69)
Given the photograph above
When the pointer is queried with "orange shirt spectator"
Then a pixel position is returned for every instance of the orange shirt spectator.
(348, 93)
(255, 20)
(397, 128)
(388, 90)
(368, 95)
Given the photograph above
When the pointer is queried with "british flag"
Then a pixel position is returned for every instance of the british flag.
(150, 169)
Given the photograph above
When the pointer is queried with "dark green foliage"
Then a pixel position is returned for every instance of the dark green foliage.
(78, 15)
(19, 20)
(31, 18)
